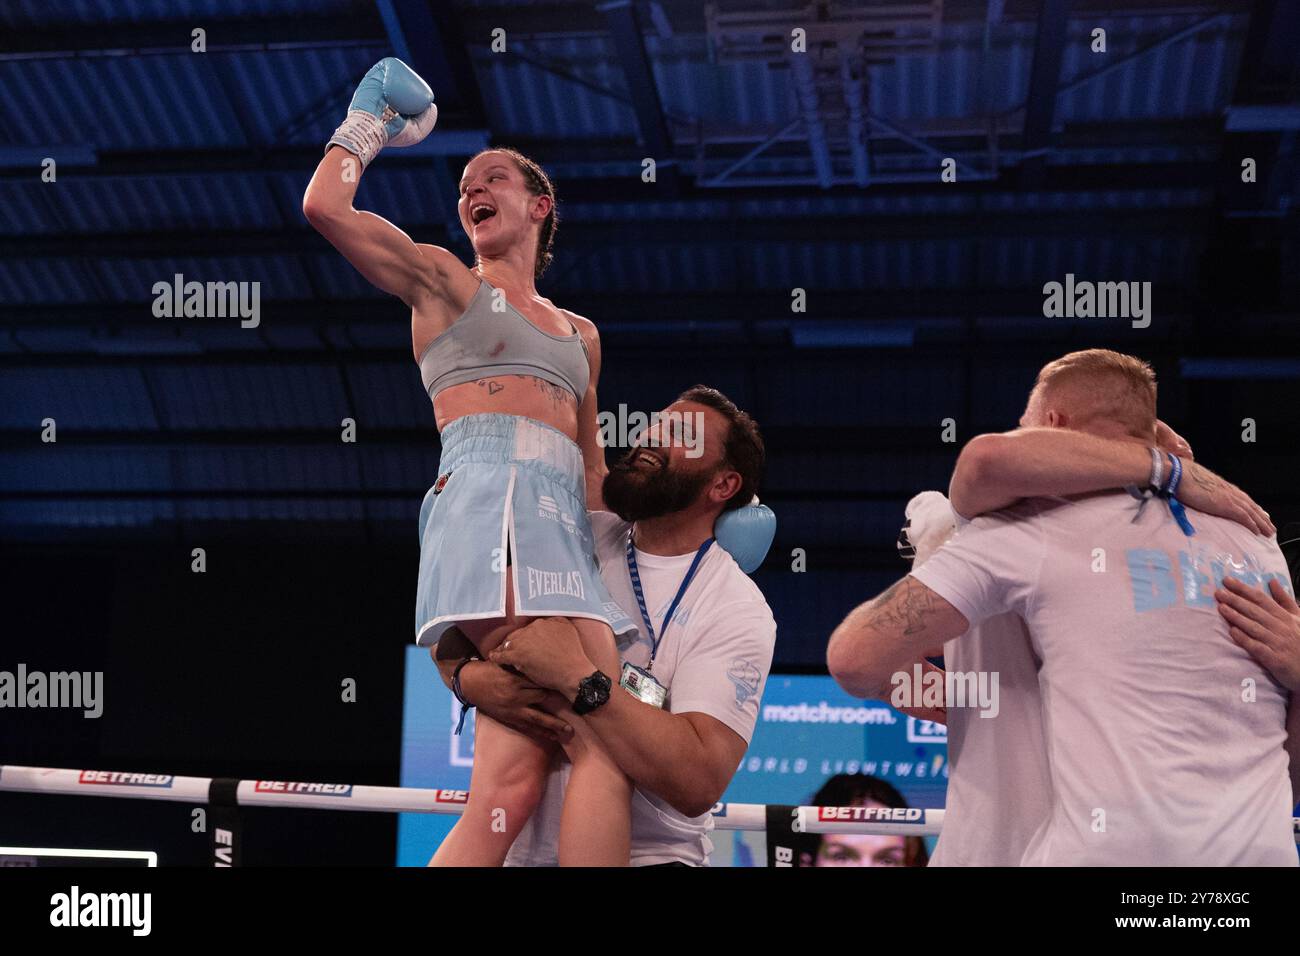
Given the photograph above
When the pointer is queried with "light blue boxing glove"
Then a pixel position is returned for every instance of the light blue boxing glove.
(746, 533)
(391, 107)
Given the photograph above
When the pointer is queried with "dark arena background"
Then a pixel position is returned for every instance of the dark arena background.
(852, 240)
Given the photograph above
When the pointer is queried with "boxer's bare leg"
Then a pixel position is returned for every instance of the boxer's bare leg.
(596, 824)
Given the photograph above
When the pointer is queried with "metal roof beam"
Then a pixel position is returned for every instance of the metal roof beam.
(638, 69)
(1044, 79)
(573, 18)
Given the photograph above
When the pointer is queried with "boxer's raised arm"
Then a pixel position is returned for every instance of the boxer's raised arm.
(388, 258)
(391, 107)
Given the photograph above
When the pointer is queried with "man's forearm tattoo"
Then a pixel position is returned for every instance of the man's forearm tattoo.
(908, 605)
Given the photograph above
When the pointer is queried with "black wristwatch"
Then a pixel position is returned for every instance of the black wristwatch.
(592, 692)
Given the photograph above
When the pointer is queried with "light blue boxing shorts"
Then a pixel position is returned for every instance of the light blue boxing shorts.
(512, 486)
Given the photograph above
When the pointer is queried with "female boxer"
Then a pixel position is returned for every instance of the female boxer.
(504, 534)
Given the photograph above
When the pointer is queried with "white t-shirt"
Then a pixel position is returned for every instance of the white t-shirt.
(999, 791)
(713, 659)
(1164, 738)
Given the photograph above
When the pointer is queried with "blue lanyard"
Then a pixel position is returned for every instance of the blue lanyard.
(640, 594)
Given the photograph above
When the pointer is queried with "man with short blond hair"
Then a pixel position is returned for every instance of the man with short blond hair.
(1107, 391)
(1164, 738)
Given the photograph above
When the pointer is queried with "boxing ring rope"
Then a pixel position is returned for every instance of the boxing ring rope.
(913, 821)
(916, 821)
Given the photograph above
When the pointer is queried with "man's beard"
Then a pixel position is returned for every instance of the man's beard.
(635, 495)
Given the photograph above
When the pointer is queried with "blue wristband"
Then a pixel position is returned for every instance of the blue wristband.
(1176, 507)
(465, 706)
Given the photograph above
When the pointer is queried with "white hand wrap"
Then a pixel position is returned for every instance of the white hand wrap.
(361, 134)
(932, 522)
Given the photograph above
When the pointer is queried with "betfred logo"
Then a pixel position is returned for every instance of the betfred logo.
(318, 789)
(112, 778)
(870, 814)
(451, 796)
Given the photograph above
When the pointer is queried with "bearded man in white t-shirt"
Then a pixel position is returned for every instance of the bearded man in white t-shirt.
(708, 662)
(1164, 739)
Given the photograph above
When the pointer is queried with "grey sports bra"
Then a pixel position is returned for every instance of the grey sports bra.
(484, 342)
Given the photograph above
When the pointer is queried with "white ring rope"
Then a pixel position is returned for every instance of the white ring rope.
(338, 796)
(912, 821)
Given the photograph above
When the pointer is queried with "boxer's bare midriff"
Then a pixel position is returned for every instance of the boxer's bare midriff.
(523, 395)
